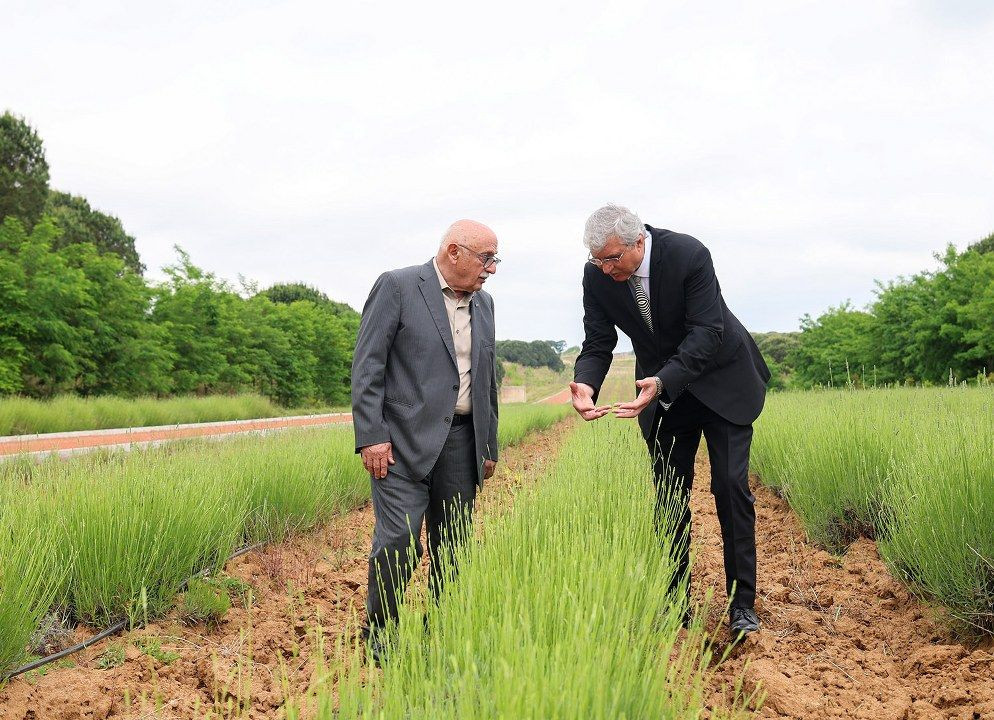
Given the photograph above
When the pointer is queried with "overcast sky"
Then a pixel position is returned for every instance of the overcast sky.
(812, 146)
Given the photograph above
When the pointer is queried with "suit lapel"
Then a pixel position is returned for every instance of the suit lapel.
(432, 293)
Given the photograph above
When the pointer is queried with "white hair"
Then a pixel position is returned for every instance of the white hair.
(612, 221)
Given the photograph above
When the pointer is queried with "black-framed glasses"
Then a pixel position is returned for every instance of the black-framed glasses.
(487, 260)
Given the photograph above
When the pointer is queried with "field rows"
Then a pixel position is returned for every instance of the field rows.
(112, 536)
(910, 468)
(562, 609)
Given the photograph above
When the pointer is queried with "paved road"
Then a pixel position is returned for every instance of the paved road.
(69, 443)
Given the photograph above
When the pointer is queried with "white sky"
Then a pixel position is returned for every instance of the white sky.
(813, 146)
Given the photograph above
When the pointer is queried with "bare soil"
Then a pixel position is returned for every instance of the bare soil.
(247, 665)
(840, 638)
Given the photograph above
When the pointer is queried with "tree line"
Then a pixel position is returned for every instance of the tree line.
(78, 316)
(933, 328)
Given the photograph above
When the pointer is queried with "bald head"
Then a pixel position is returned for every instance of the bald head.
(463, 252)
(468, 232)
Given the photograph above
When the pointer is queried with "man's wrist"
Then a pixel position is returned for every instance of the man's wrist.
(659, 386)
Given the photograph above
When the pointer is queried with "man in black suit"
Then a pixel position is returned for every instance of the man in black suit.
(697, 371)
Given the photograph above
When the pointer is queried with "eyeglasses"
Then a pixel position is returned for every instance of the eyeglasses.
(487, 260)
(600, 262)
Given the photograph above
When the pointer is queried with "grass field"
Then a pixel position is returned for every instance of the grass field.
(538, 382)
(912, 468)
(561, 610)
(21, 416)
(114, 535)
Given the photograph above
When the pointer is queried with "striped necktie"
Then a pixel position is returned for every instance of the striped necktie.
(641, 299)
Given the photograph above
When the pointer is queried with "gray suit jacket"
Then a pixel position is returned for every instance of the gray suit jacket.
(404, 375)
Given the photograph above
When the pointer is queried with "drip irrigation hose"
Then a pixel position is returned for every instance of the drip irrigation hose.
(112, 630)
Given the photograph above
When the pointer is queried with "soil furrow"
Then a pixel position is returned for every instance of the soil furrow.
(841, 637)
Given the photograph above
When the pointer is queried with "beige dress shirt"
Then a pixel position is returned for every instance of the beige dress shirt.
(457, 310)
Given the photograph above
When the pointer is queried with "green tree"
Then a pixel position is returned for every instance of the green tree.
(777, 345)
(125, 354)
(188, 308)
(44, 302)
(969, 313)
(537, 353)
(984, 246)
(82, 224)
(834, 349)
(23, 171)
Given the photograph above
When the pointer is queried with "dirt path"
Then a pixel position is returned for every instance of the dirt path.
(563, 396)
(88, 439)
(316, 579)
(841, 637)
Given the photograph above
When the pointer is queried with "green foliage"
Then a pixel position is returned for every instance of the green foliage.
(237, 590)
(835, 348)
(23, 171)
(932, 328)
(29, 577)
(125, 530)
(151, 645)
(112, 535)
(517, 421)
(537, 353)
(81, 224)
(909, 467)
(500, 372)
(535, 628)
(205, 601)
(984, 246)
(21, 416)
(112, 657)
(777, 345)
(79, 320)
(76, 316)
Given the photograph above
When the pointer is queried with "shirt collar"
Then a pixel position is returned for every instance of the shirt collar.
(643, 269)
(445, 285)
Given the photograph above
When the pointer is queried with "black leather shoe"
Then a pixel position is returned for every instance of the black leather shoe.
(742, 621)
(376, 647)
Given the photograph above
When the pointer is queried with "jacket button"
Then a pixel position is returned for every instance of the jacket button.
(455, 387)
(447, 421)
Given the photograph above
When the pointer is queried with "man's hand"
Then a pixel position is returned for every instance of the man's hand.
(583, 402)
(647, 393)
(377, 458)
(488, 468)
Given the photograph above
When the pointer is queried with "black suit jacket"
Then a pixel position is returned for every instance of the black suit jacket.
(698, 345)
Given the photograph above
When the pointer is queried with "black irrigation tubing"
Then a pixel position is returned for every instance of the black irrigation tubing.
(112, 630)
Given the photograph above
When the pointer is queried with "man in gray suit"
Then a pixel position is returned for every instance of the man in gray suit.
(424, 406)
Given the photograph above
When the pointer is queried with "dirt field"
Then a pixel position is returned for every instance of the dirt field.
(841, 638)
(316, 579)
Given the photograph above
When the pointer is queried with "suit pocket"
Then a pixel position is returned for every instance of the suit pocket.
(727, 352)
(395, 401)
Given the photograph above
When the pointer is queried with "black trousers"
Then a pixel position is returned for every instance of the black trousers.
(401, 506)
(673, 446)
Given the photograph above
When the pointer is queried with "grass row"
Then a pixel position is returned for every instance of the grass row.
(540, 382)
(113, 535)
(911, 468)
(24, 416)
(560, 610)
(517, 420)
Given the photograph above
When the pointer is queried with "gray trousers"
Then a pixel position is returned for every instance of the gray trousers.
(445, 499)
